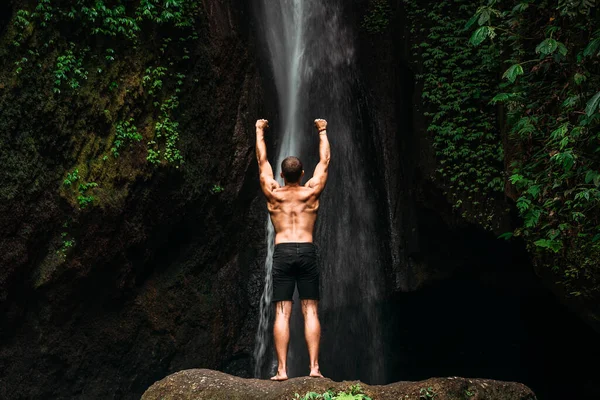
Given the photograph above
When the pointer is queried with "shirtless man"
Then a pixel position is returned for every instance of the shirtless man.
(293, 209)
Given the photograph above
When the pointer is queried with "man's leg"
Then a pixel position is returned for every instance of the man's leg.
(281, 334)
(312, 333)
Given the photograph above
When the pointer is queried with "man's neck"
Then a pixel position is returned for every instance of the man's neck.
(297, 184)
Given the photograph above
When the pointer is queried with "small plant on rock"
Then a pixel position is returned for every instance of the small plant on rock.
(71, 177)
(354, 393)
(125, 132)
(216, 189)
(83, 199)
(427, 393)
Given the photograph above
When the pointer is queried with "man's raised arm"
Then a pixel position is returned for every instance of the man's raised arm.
(267, 181)
(319, 178)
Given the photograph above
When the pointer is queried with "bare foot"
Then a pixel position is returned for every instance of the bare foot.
(315, 373)
(281, 376)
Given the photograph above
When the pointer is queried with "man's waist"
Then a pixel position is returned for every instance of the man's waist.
(294, 245)
(293, 236)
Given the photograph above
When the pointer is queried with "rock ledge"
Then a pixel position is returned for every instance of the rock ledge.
(204, 384)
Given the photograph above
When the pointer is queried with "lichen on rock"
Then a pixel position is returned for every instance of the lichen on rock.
(199, 384)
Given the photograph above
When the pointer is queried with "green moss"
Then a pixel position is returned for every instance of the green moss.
(66, 94)
(377, 18)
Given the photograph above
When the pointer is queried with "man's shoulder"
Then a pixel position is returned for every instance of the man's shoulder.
(297, 193)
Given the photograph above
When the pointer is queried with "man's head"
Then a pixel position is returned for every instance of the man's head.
(291, 170)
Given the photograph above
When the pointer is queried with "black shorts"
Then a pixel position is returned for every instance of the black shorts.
(295, 263)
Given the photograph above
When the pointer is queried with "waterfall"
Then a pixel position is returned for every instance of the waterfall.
(312, 60)
(285, 46)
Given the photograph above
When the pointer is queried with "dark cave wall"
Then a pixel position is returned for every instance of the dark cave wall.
(425, 234)
(161, 277)
(460, 301)
(5, 14)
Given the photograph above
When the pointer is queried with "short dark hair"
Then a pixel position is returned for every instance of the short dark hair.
(291, 168)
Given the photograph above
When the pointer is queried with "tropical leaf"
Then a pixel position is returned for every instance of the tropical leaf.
(571, 101)
(562, 49)
(566, 159)
(592, 105)
(579, 78)
(523, 204)
(532, 218)
(547, 47)
(534, 190)
(560, 132)
(472, 21)
(513, 72)
(554, 245)
(481, 34)
(484, 17)
(506, 235)
(592, 48)
(592, 176)
(520, 7)
(514, 179)
(500, 97)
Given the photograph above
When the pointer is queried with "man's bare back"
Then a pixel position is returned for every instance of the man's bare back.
(293, 210)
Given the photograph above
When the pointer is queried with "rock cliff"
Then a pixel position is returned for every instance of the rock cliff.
(98, 302)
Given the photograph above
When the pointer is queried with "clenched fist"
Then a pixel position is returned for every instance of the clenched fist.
(262, 124)
(321, 124)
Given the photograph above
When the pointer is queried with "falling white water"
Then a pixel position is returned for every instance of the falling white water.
(312, 60)
(265, 305)
(285, 47)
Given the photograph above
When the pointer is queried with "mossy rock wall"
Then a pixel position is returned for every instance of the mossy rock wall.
(151, 273)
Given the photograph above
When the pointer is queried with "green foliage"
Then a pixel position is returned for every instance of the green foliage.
(378, 16)
(481, 34)
(592, 105)
(125, 132)
(117, 19)
(69, 69)
(553, 119)
(427, 393)
(166, 131)
(84, 37)
(67, 244)
(512, 73)
(216, 189)
(544, 112)
(153, 79)
(178, 12)
(456, 92)
(355, 392)
(71, 178)
(83, 199)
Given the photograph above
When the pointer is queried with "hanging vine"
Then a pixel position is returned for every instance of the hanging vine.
(514, 86)
(457, 82)
(550, 94)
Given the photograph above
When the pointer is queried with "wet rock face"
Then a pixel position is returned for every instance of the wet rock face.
(201, 384)
(426, 236)
(160, 280)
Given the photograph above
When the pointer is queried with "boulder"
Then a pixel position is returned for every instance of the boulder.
(201, 384)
